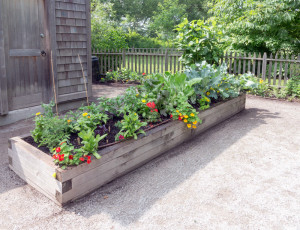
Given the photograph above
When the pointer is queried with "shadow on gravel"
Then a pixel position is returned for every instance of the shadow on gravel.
(127, 198)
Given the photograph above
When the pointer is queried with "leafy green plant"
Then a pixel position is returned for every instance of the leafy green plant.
(90, 142)
(199, 42)
(204, 103)
(293, 87)
(130, 126)
(123, 75)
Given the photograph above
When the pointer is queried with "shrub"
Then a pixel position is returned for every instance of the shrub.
(199, 42)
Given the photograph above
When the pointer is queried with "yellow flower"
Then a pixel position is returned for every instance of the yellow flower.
(177, 111)
(226, 88)
(218, 91)
(261, 81)
(41, 115)
(195, 122)
(89, 116)
(186, 116)
(211, 88)
(207, 93)
(135, 114)
(218, 85)
(189, 126)
(185, 120)
(192, 115)
(207, 99)
(180, 114)
(68, 121)
(194, 126)
(144, 101)
(137, 95)
(37, 113)
(85, 114)
(54, 175)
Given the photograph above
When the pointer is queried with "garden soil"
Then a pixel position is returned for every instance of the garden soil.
(242, 174)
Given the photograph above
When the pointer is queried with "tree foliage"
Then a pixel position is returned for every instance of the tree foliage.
(259, 25)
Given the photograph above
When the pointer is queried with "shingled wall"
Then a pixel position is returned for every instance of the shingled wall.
(72, 38)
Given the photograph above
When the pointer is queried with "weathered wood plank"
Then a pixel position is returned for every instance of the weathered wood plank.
(270, 69)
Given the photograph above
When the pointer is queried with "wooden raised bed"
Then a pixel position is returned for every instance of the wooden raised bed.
(37, 168)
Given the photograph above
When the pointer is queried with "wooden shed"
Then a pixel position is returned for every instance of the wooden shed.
(29, 31)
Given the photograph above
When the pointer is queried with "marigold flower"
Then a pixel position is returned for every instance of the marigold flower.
(186, 116)
(189, 126)
(121, 137)
(37, 113)
(192, 115)
(195, 122)
(185, 120)
(55, 156)
(144, 101)
(180, 114)
(89, 117)
(261, 81)
(194, 126)
(179, 118)
(208, 93)
(71, 157)
(68, 121)
(81, 159)
(58, 149)
(207, 99)
(177, 111)
(85, 114)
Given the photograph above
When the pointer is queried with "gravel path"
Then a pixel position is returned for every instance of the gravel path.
(241, 174)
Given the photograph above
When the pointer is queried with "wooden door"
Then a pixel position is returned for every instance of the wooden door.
(25, 38)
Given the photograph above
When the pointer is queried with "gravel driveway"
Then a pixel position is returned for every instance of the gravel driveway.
(241, 174)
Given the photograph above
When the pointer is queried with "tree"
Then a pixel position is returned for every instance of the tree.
(105, 32)
(169, 14)
(259, 25)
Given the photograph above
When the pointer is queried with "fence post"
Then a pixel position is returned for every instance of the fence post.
(264, 66)
(166, 60)
(124, 57)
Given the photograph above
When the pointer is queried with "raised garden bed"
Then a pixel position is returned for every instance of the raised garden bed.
(37, 168)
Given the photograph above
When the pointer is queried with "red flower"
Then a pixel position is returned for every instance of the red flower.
(58, 149)
(144, 74)
(61, 157)
(156, 110)
(89, 157)
(88, 161)
(81, 158)
(171, 116)
(179, 118)
(151, 111)
(151, 105)
(71, 157)
(121, 137)
(55, 157)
